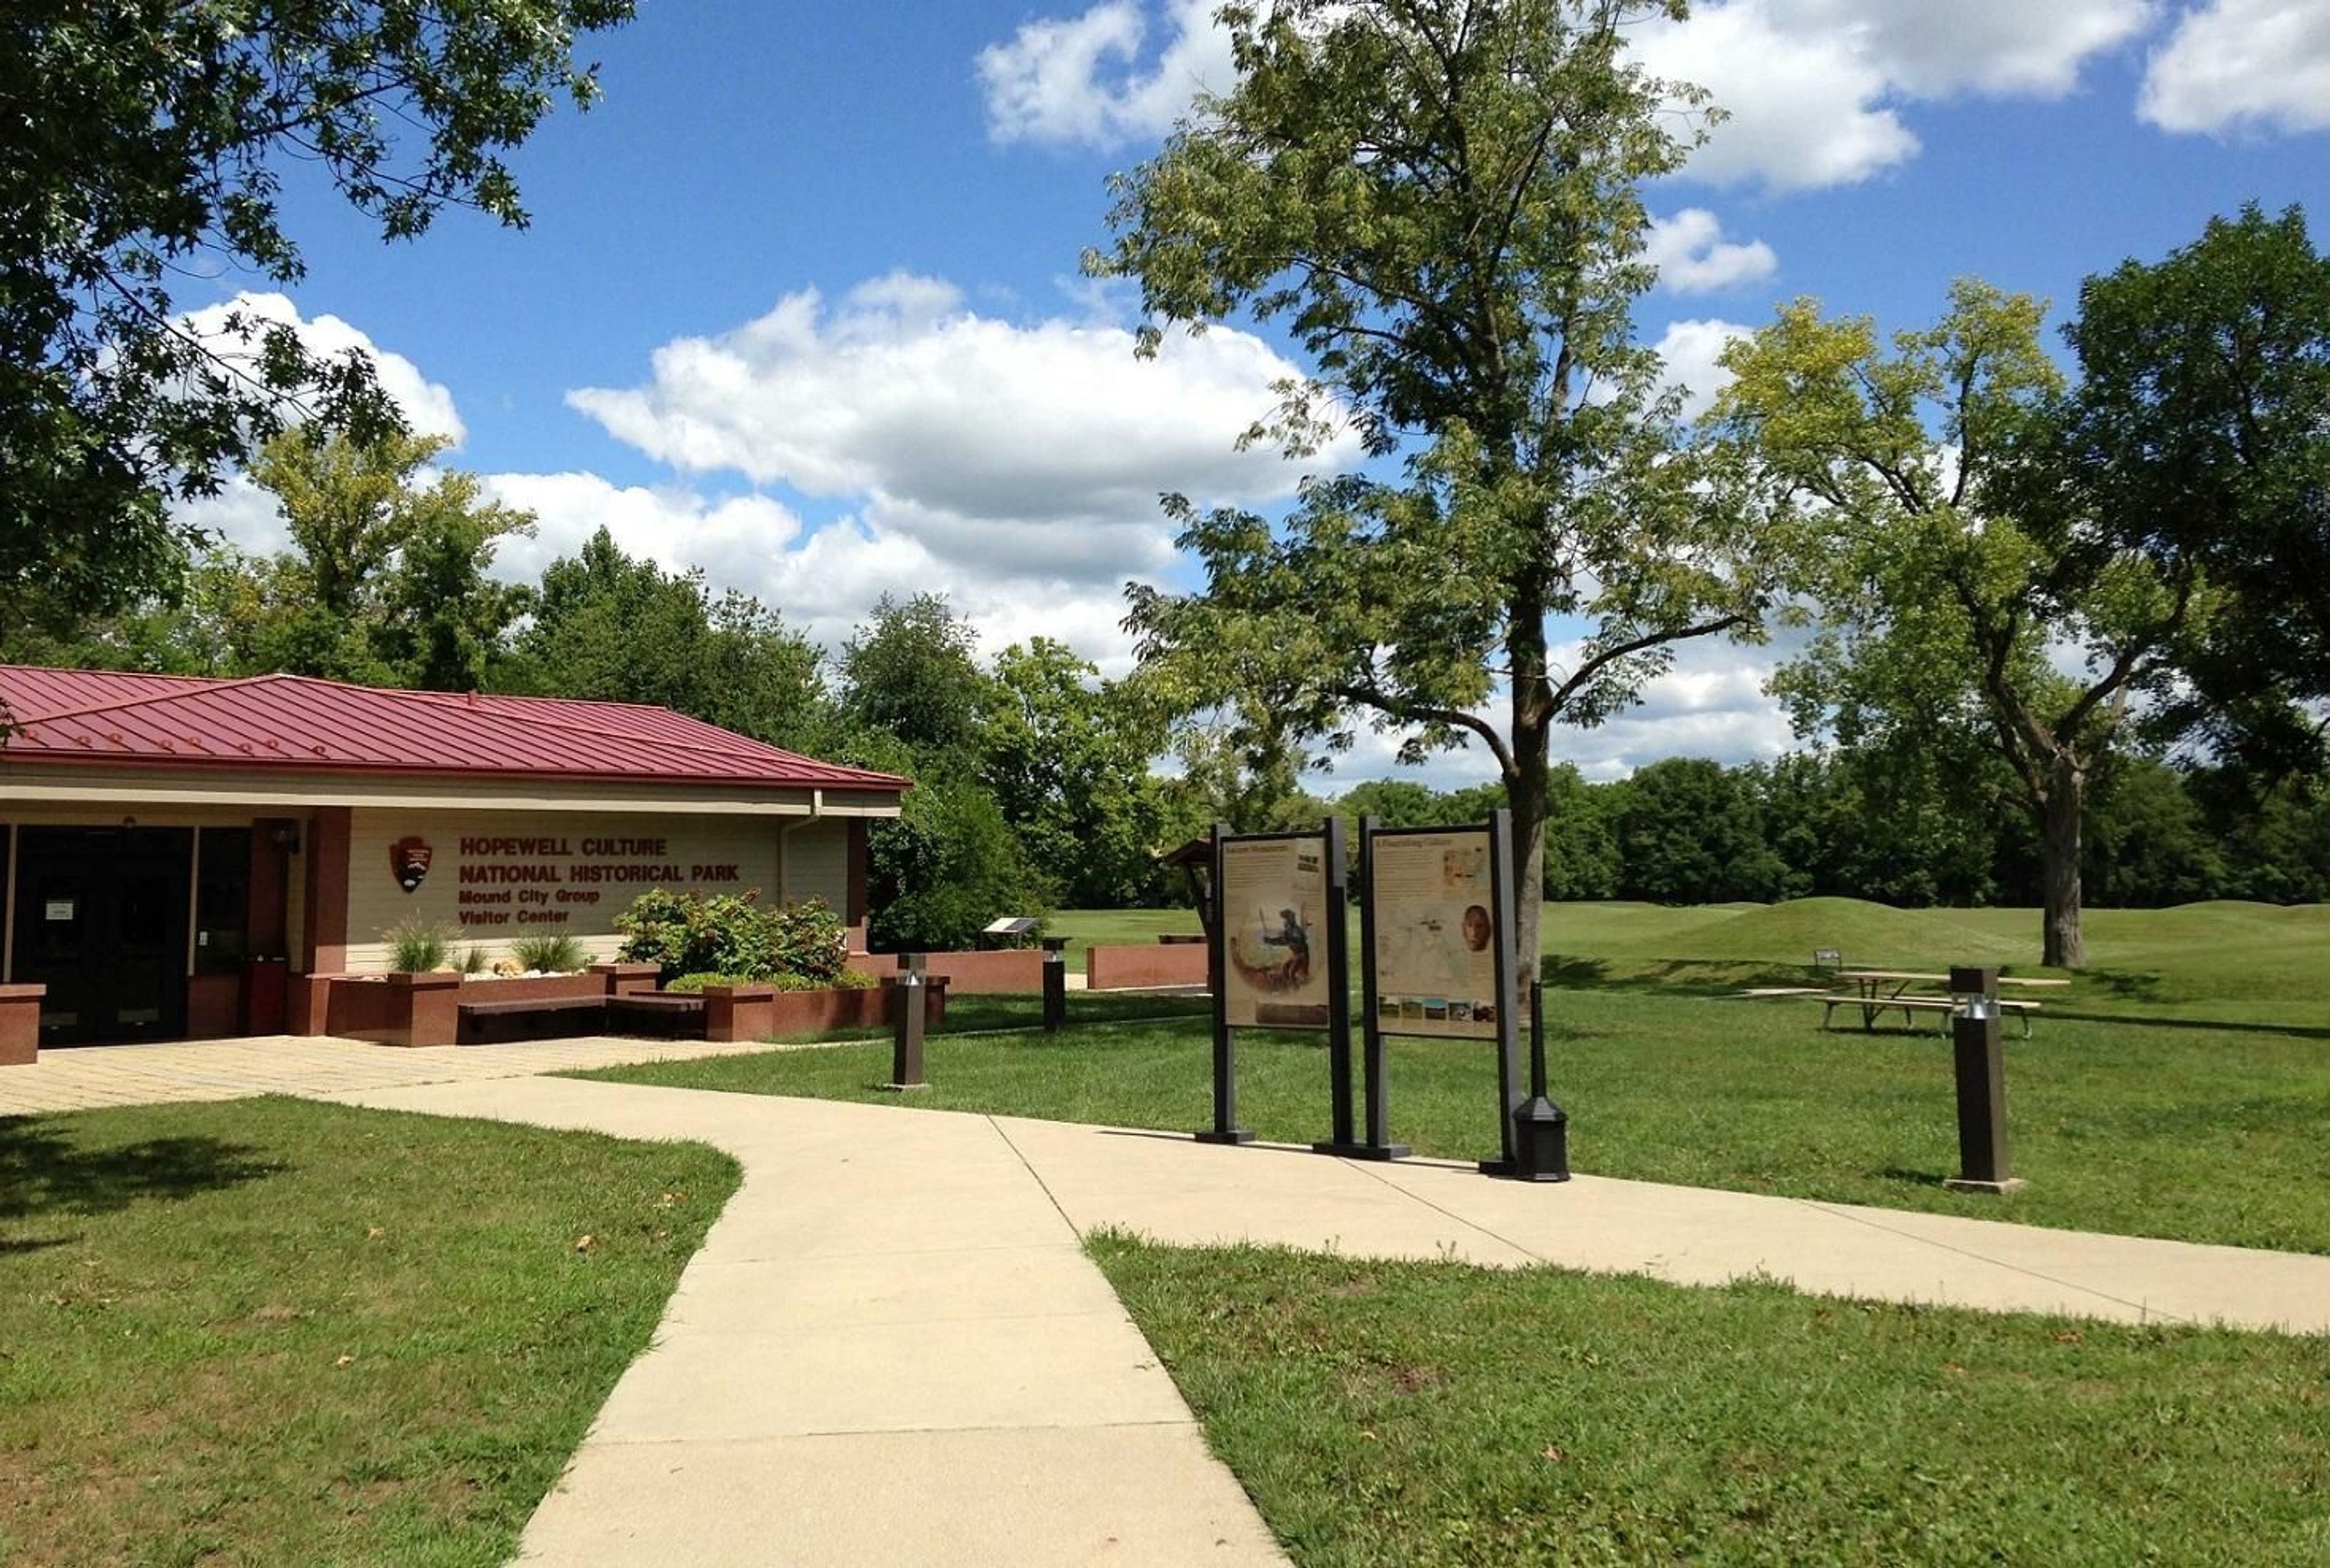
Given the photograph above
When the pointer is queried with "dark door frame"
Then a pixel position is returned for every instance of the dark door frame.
(103, 866)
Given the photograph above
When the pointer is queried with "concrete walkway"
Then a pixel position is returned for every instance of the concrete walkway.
(890, 1348)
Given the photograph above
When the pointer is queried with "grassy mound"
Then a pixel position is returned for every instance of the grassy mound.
(1865, 933)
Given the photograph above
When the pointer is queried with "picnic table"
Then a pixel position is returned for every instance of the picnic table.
(1877, 991)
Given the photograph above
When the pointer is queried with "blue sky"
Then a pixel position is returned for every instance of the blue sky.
(799, 303)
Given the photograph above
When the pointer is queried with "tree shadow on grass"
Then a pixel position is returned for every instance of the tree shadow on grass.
(2223, 1025)
(45, 1174)
(1674, 976)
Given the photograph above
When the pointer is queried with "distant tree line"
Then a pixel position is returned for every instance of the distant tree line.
(1688, 830)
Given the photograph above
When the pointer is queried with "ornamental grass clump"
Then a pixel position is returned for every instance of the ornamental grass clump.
(558, 954)
(417, 946)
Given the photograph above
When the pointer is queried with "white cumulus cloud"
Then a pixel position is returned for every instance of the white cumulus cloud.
(1689, 350)
(980, 436)
(2234, 65)
(824, 581)
(427, 405)
(1085, 80)
(1694, 258)
(1814, 89)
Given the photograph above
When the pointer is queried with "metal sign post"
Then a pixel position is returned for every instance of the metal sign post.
(1509, 1098)
(1338, 1010)
(1225, 1129)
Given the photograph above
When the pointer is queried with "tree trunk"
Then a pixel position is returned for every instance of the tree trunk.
(1525, 784)
(2064, 946)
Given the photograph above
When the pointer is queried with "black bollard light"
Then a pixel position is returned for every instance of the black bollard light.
(1540, 1129)
(912, 999)
(1055, 984)
(1978, 1054)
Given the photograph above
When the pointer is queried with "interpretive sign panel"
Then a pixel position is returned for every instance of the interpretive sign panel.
(1273, 905)
(1435, 934)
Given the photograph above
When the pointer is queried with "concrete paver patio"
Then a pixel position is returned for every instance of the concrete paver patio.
(83, 1077)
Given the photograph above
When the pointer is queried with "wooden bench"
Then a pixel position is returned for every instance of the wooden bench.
(657, 1013)
(1871, 1007)
(497, 1023)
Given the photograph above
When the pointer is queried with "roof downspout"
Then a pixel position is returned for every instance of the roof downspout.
(785, 844)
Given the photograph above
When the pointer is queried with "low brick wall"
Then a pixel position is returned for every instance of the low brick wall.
(1134, 968)
(984, 974)
(20, 1024)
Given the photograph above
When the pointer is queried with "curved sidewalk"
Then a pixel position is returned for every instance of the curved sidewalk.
(891, 1348)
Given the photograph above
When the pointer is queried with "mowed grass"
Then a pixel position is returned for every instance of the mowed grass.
(2204, 1135)
(1435, 1413)
(2177, 1090)
(276, 1332)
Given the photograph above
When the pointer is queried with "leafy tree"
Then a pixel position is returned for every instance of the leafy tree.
(2148, 844)
(944, 868)
(1394, 802)
(1910, 827)
(1582, 857)
(615, 629)
(1440, 199)
(385, 583)
(1688, 831)
(1244, 771)
(146, 141)
(2201, 427)
(188, 628)
(912, 673)
(1066, 758)
(1954, 566)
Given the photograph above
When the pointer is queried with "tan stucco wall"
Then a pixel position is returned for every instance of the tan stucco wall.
(527, 870)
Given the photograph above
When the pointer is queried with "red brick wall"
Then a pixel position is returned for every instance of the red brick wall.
(1133, 967)
(983, 974)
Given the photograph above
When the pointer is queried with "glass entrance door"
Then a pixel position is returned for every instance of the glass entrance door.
(101, 922)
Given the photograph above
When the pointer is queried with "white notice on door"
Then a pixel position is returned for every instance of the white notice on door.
(59, 908)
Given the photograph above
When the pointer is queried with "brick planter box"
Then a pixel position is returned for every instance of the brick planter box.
(1131, 968)
(424, 1010)
(749, 1012)
(20, 1024)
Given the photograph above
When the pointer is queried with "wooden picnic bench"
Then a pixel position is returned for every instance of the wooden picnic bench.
(1872, 996)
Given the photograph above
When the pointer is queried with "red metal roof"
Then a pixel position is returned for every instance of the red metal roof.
(297, 723)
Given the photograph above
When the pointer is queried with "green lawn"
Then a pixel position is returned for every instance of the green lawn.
(1432, 1413)
(2155, 1124)
(275, 1332)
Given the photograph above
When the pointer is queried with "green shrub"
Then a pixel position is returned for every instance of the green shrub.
(558, 954)
(847, 980)
(416, 946)
(474, 960)
(730, 934)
